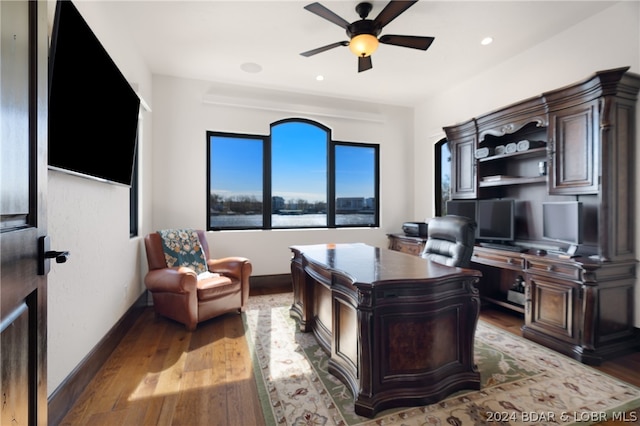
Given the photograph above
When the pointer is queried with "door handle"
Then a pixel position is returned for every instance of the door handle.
(45, 255)
(59, 256)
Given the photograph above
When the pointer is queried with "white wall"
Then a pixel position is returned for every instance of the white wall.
(102, 279)
(184, 110)
(610, 39)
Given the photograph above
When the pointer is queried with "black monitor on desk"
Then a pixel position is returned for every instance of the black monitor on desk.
(496, 220)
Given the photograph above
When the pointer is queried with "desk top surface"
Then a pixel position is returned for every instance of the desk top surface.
(368, 264)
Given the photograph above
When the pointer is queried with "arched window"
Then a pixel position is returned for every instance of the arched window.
(297, 177)
(299, 174)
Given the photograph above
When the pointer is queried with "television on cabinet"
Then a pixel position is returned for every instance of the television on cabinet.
(466, 208)
(562, 222)
(496, 220)
(93, 110)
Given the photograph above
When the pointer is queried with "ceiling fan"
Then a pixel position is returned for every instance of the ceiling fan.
(363, 34)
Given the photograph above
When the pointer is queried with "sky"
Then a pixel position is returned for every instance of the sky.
(299, 165)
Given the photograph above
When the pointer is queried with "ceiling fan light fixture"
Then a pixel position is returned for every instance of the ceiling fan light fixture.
(363, 45)
(363, 34)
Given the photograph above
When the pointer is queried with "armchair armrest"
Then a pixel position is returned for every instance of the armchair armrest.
(171, 280)
(235, 266)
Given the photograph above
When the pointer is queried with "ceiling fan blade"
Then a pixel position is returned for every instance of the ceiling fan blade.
(325, 13)
(414, 42)
(324, 48)
(391, 11)
(364, 63)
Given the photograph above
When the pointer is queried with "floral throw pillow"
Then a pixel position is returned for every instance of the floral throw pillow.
(182, 248)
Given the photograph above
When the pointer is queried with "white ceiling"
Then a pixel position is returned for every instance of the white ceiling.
(212, 39)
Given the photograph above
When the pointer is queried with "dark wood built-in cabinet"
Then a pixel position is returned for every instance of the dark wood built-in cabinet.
(581, 307)
(463, 177)
(581, 148)
(573, 157)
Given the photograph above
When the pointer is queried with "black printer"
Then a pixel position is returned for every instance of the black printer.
(415, 229)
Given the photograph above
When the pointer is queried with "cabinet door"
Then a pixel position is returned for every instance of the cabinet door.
(463, 173)
(553, 308)
(574, 132)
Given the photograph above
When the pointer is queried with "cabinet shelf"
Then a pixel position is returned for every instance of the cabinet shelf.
(513, 181)
(504, 303)
(535, 152)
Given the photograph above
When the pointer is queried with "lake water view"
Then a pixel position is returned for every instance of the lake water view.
(290, 221)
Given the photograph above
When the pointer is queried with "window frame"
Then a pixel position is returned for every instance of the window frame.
(134, 193)
(442, 175)
(327, 148)
(332, 182)
(267, 178)
(134, 201)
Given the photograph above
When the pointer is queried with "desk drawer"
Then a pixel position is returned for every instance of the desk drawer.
(554, 269)
(499, 258)
(407, 245)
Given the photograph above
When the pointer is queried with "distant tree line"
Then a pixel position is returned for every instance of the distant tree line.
(250, 204)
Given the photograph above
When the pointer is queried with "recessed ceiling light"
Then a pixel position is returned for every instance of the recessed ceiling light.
(487, 40)
(251, 67)
(319, 77)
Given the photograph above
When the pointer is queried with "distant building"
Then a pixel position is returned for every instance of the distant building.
(370, 203)
(350, 204)
(277, 204)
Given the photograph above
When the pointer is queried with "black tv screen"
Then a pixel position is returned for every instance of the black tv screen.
(466, 208)
(562, 221)
(496, 220)
(93, 110)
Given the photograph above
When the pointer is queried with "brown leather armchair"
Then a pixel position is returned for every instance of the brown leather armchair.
(179, 294)
(450, 240)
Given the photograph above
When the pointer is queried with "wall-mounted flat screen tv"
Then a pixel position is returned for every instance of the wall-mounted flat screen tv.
(93, 110)
(562, 221)
(496, 220)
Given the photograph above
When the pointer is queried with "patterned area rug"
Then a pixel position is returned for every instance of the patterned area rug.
(522, 382)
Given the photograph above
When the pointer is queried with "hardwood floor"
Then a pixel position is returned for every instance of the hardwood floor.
(160, 374)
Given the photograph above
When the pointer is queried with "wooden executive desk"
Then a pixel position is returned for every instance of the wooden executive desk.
(399, 329)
